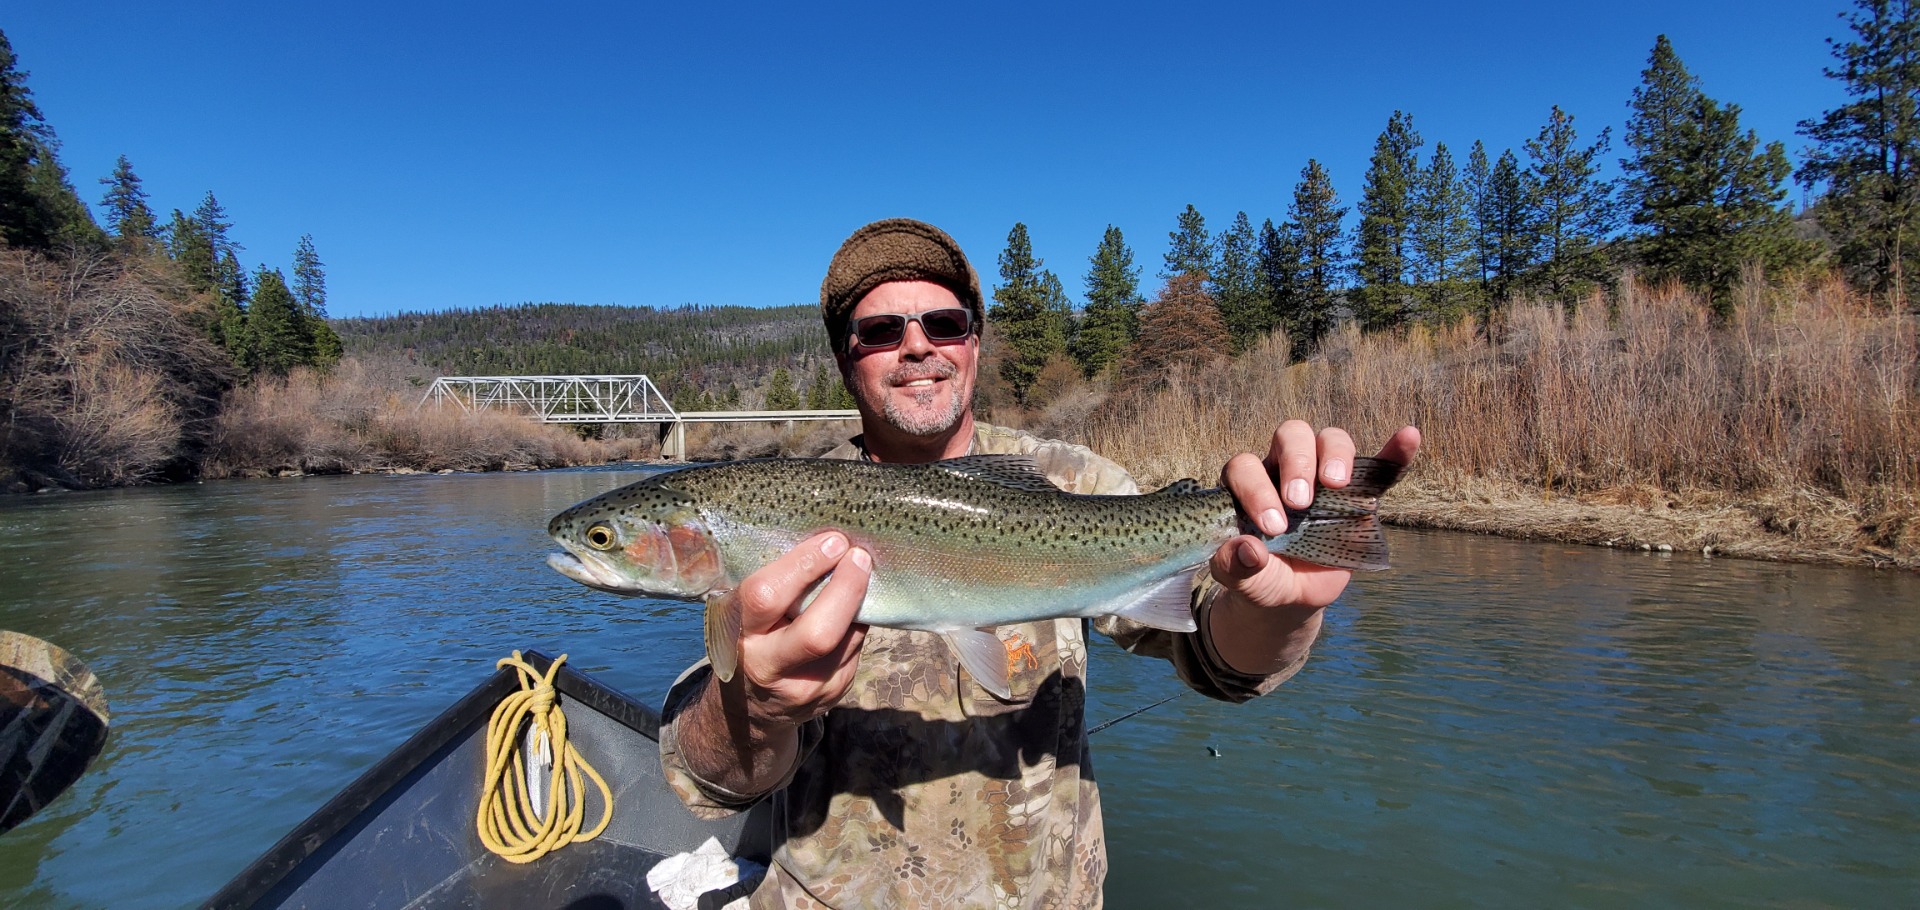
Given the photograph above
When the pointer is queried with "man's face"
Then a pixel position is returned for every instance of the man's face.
(921, 387)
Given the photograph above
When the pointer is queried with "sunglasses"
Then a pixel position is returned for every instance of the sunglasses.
(887, 330)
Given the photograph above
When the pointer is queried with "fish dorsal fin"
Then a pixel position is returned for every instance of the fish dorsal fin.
(1019, 472)
(1185, 486)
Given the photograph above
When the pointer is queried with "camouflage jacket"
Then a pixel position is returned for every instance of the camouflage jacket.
(923, 790)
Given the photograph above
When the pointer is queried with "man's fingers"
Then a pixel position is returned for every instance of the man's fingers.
(1336, 457)
(1252, 487)
(766, 595)
(823, 630)
(1239, 559)
(1401, 446)
(1296, 462)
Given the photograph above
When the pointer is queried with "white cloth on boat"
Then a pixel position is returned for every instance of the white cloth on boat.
(681, 880)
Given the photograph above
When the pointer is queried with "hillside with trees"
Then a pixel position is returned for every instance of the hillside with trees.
(704, 357)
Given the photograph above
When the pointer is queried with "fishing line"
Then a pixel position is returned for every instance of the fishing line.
(1137, 711)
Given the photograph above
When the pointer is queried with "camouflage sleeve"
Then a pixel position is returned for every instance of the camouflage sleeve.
(703, 798)
(1192, 654)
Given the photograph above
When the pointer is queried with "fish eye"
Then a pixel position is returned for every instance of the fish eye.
(600, 537)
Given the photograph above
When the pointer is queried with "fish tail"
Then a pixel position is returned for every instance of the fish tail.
(723, 634)
(1341, 529)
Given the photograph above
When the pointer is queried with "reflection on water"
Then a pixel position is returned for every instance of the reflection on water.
(1491, 724)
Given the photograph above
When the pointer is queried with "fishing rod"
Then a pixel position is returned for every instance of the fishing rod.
(1136, 712)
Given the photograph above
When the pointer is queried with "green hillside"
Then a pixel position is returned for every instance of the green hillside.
(687, 350)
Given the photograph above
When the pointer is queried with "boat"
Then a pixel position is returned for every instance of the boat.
(404, 833)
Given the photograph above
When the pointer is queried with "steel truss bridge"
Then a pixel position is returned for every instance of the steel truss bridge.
(597, 399)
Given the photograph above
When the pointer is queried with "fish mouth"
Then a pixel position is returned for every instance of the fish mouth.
(592, 574)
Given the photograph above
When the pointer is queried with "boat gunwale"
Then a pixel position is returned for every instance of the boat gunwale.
(273, 867)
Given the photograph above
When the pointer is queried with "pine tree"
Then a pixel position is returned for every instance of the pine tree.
(1478, 182)
(309, 278)
(1708, 198)
(24, 135)
(1665, 105)
(1054, 293)
(1238, 288)
(1382, 299)
(69, 219)
(1573, 209)
(780, 393)
(1111, 321)
(1190, 251)
(128, 215)
(1514, 237)
(226, 280)
(210, 217)
(1866, 153)
(1280, 272)
(817, 389)
(1314, 230)
(276, 332)
(1440, 239)
(310, 292)
(191, 249)
(230, 280)
(1026, 311)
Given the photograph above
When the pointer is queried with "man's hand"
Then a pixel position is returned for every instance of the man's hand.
(1269, 610)
(794, 665)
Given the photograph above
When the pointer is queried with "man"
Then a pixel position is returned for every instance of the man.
(897, 781)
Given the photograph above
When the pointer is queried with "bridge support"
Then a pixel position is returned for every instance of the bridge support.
(673, 441)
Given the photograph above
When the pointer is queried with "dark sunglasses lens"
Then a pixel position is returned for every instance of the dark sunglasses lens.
(880, 331)
(945, 325)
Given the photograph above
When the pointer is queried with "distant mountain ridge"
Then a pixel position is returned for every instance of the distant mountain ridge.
(691, 347)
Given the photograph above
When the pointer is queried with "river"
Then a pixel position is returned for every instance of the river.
(1490, 724)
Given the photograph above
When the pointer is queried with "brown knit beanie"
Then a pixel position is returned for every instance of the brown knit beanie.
(897, 249)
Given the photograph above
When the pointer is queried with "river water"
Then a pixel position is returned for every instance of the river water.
(1490, 724)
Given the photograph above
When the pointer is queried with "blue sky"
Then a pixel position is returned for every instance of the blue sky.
(470, 154)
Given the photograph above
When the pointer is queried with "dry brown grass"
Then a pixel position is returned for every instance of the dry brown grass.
(1790, 432)
(361, 417)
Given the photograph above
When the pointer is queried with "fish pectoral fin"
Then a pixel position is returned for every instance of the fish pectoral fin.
(1168, 604)
(985, 658)
(723, 634)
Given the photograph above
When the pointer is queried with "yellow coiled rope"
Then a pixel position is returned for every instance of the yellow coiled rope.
(509, 824)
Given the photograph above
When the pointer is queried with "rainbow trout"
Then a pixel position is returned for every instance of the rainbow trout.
(958, 546)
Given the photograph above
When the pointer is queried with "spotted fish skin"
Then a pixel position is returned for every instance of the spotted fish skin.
(957, 545)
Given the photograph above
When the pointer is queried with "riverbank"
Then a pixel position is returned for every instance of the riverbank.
(1789, 432)
(1807, 527)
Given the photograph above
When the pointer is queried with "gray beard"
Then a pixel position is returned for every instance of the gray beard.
(919, 423)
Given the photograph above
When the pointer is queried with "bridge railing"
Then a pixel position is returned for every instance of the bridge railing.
(557, 399)
(599, 399)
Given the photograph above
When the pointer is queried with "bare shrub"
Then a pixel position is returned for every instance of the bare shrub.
(107, 373)
(114, 426)
(363, 416)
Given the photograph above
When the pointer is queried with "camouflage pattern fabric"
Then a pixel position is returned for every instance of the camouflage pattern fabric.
(53, 722)
(922, 789)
